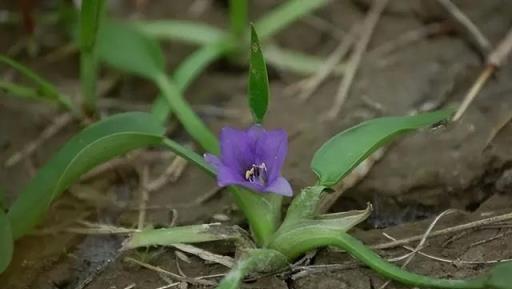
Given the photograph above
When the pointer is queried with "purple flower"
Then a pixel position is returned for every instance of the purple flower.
(252, 158)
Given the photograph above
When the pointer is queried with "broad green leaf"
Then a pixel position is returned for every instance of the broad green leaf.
(6, 241)
(184, 31)
(183, 234)
(343, 152)
(94, 145)
(125, 48)
(258, 80)
(45, 90)
(282, 16)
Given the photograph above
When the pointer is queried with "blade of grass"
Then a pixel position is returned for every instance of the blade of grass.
(284, 15)
(295, 61)
(96, 144)
(258, 80)
(91, 13)
(189, 70)
(238, 18)
(185, 31)
(21, 91)
(44, 88)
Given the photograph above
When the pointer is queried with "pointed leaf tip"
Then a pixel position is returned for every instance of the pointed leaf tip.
(258, 80)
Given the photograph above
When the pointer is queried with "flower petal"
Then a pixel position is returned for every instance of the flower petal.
(213, 161)
(227, 176)
(280, 186)
(271, 149)
(236, 149)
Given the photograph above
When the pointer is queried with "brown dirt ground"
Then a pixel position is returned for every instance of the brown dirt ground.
(422, 174)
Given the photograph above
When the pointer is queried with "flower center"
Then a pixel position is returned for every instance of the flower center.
(257, 174)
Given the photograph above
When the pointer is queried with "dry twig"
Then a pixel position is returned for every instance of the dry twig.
(58, 124)
(497, 57)
(470, 27)
(354, 61)
(454, 229)
(193, 281)
(311, 84)
(420, 245)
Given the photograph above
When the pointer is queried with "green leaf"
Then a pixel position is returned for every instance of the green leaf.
(285, 14)
(258, 80)
(238, 18)
(295, 61)
(338, 156)
(184, 31)
(125, 48)
(294, 239)
(256, 260)
(186, 72)
(500, 276)
(96, 144)
(91, 14)
(3, 199)
(21, 91)
(45, 90)
(188, 118)
(6, 242)
(183, 234)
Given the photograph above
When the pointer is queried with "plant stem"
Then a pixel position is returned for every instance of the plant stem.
(188, 118)
(238, 16)
(90, 17)
(314, 238)
(88, 68)
(256, 260)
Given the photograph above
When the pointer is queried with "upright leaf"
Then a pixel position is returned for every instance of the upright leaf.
(238, 18)
(258, 80)
(91, 14)
(6, 241)
(124, 47)
(338, 156)
(96, 144)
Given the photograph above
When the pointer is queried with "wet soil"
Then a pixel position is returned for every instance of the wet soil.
(466, 166)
